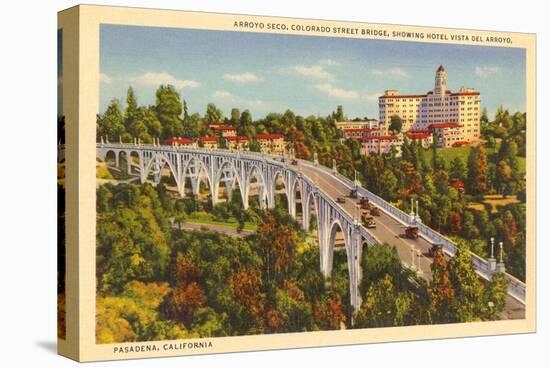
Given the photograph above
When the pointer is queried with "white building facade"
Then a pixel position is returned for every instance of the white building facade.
(438, 107)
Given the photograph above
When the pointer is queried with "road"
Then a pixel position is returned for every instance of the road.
(231, 231)
(389, 230)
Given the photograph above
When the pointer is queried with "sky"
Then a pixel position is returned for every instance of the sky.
(309, 75)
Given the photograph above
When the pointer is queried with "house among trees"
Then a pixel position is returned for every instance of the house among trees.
(273, 144)
(223, 130)
(381, 144)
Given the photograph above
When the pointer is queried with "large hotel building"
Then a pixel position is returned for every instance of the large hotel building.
(453, 117)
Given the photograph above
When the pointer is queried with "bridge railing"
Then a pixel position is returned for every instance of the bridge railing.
(516, 288)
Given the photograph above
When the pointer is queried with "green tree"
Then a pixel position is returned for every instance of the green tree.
(185, 111)
(441, 291)
(213, 114)
(339, 114)
(111, 123)
(458, 169)
(396, 124)
(477, 171)
(131, 109)
(388, 185)
(467, 287)
(494, 297)
(235, 116)
(169, 108)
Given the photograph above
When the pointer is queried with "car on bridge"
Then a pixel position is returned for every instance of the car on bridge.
(411, 232)
(364, 202)
(375, 211)
(294, 162)
(353, 193)
(340, 200)
(368, 221)
(434, 249)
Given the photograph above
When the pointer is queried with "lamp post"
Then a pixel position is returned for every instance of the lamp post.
(492, 260)
(500, 266)
(411, 214)
(418, 256)
(413, 266)
(417, 218)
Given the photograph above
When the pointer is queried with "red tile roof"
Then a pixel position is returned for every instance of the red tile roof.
(418, 134)
(381, 137)
(403, 96)
(205, 139)
(236, 138)
(465, 94)
(222, 128)
(178, 140)
(444, 125)
(269, 136)
(357, 130)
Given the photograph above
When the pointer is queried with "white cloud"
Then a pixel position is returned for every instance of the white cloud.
(393, 72)
(314, 72)
(242, 78)
(372, 96)
(223, 95)
(486, 71)
(104, 78)
(333, 91)
(348, 94)
(156, 79)
(328, 62)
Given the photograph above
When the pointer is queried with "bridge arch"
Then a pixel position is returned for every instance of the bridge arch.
(229, 182)
(158, 161)
(279, 187)
(197, 172)
(311, 215)
(111, 153)
(255, 173)
(295, 204)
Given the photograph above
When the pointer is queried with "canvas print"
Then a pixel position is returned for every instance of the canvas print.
(251, 183)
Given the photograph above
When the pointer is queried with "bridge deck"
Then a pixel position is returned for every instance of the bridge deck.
(390, 230)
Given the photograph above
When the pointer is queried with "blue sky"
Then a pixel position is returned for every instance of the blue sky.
(307, 74)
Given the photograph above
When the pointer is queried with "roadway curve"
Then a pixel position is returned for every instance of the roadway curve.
(390, 231)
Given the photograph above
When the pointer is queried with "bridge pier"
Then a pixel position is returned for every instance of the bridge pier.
(214, 167)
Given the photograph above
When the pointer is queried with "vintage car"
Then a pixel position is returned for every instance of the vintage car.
(368, 221)
(434, 249)
(364, 202)
(411, 232)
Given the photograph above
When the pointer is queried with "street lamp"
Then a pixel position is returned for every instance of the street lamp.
(419, 255)
(417, 215)
(500, 265)
(492, 260)
(413, 266)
